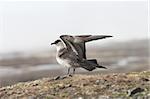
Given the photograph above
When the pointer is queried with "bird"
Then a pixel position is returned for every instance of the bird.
(67, 57)
(78, 43)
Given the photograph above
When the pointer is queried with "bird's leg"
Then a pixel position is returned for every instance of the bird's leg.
(68, 74)
(68, 71)
(74, 70)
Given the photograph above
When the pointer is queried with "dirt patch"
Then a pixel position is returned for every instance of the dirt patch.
(107, 86)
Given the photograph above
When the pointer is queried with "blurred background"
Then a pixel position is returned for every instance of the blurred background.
(28, 27)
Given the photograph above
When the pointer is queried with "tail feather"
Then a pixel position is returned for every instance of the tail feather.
(93, 61)
(87, 65)
(98, 66)
(89, 68)
(90, 65)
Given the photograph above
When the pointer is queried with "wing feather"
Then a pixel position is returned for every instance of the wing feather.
(95, 37)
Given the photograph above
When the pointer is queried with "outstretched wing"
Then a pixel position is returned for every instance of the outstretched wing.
(78, 44)
(80, 41)
(87, 38)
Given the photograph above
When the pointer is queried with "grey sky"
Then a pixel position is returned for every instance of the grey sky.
(30, 25)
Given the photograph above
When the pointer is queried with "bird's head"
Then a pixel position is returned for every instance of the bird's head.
(57, 42)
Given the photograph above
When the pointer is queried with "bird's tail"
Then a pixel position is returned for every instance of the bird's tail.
(89, 68)
(93, 61)
(90, 65)
(86, 65)
(98, 66)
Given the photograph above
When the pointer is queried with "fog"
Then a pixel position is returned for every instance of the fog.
(33, 25)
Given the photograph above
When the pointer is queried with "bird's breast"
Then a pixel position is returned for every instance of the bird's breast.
(63, 62)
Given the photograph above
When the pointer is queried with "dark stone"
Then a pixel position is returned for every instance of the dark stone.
(35, 84)
(57, 77)
(68, 85)
(135, 91)
(144, 79)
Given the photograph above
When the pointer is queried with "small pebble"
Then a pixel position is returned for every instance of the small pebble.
(68, 85)
(35, 84)
(3, 89)
(97, 82)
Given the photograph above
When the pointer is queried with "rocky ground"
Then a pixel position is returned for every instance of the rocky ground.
(83, 86)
